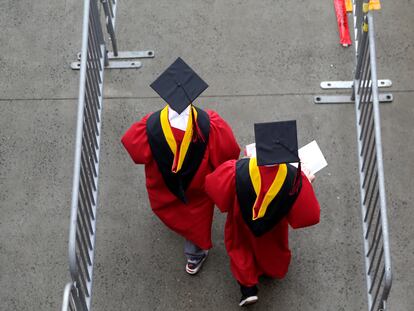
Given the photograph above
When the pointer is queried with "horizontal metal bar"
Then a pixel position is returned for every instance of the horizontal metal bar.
(124, 64)
(348, 84)
(337, 84)
(346, 99)
(114, 65)
(130, 55)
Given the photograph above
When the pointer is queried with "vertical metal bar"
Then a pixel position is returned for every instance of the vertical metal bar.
(93, 90)
(92, 107)
(366, 109)
(82, 278)
(85, 234)
(377, 266)
(90, 156)
(364, 72)
(83, 247)
(371, 141)
(87, 172)
(86, 221)
(85, 207)
(84, 257)
(366, 127)
(110, 26)
(91, 119)
(95, 14)
(375, 182)
(88, 194)
(377, 292)
(362, 48)
(370, 168)
(369, 172)
(84, 231)
(375, 200)
(366, 104)
(364, 68)
(95, 50)
(82, 299)
(374, 235)
(369, 223)
(89, 199)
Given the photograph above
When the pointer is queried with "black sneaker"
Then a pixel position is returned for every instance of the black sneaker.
(249, 295)
(192, 267)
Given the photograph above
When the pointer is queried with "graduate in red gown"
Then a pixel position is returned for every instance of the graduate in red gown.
(179, 145)
(262, 196)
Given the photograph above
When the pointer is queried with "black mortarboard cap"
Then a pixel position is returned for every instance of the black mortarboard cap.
(179, 85)
(276, 142)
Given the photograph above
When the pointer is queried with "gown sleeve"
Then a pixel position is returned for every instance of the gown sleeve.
(135, 142)
(222, 144)
(220, 185)
(305, 211)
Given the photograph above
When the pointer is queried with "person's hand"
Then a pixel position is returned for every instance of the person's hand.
(308, 173)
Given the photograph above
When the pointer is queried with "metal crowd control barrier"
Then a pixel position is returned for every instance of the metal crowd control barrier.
(93, 59)
(366, 97)
(86, 168)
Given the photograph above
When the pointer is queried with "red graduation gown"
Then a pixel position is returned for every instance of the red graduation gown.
(192, 220)
(269, 254)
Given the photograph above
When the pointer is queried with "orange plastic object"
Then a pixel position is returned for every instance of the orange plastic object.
(374, 5)
(348, 5)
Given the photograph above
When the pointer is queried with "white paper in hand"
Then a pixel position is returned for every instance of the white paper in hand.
(312, 158)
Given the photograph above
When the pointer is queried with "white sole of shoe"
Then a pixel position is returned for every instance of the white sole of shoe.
(248, 301)
(194, 271)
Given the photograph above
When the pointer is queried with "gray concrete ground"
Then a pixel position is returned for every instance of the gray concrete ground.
(264, 61)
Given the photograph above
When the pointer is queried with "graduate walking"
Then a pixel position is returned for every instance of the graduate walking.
(179, 145)
(262, 196)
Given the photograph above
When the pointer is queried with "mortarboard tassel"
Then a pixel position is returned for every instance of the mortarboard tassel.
(197, 134)
(296, 181)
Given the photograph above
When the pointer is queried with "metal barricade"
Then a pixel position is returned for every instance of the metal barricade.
(86, 167)
(373, 196)
(366, 97)
(92, 61)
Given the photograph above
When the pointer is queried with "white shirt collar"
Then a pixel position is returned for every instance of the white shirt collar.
(177, 120)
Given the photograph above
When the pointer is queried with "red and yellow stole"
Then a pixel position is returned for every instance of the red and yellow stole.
(259, 208)
(179, 153)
